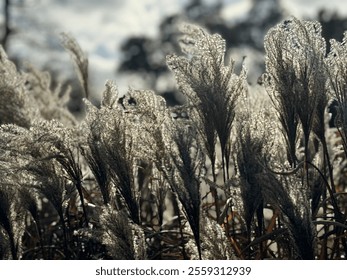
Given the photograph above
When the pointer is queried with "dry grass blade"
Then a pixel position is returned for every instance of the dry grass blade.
(182, 176)
(80, 59)
(124, 240)
(295, 207)
(12, 220)
(212, 88)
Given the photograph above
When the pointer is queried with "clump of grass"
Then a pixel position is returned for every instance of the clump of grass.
(124, 240)
(182, 176)
(220, 177)
(212, 90)
(117, 152)
(12, 222)
(295, 207)
(15, 107)
(295, 75)
(249, 156)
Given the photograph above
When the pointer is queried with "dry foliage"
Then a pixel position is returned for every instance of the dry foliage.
(238, 172)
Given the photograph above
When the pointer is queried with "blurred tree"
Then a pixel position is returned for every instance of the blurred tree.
(135, 52)
(146, 56)
(251, 30)
(333, 26)
(6, 24)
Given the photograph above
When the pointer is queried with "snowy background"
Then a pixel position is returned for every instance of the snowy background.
(102, 26)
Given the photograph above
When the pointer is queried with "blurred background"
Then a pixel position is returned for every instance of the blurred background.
(127, 40)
